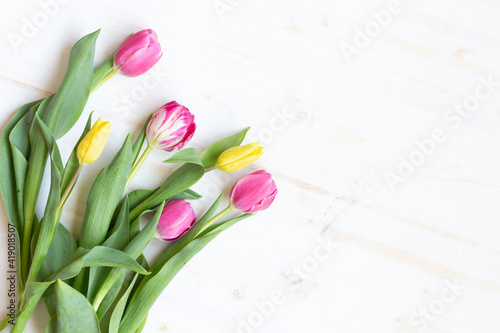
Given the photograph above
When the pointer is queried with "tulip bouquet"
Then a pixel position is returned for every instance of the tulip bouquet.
(102, 282)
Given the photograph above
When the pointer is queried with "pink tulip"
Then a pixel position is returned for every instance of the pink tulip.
(254, 192)
(176, 219)
(170, 127)
(138, 53)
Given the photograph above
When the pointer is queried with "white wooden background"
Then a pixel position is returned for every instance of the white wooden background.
(346, 251)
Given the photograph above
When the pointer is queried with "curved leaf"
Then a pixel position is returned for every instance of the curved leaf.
(104, 196)
(69, 101)
(61, 248)
(98, 256)
(180, 180)
(210, 155)
(188, 155)
(74, 312)
(7, 170)
(52, 216)
(34, 292)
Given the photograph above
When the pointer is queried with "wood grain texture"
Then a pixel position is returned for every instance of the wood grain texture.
(346, 250)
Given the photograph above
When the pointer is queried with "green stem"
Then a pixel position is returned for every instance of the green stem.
(106, 78)
(104, 288)
(210, 168)
(138, 165)
(215, 218)
(69, 189)
(4, 323)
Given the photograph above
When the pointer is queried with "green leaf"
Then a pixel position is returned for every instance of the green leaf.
(34, 291)
(152, 288)
(136, 148)
(69, 101)
(138, 196)
(51, 144)
(104, 256)
(71, 267)
(50, 301)
(188, 155)
(98, 256)
(139, 243)
(210, 155)
(142, 325)
(73, 164)
(20, 148)
(131, 282)
(104, 196)
(20, 167)
(144, 263)
(52, 215)
(61, 248)
(187, 195)
(111, 295)
(180, 180)
(18, 137)
(117, 314)
(74, 312)
(118, 239)
(7, 169)
(51, 326)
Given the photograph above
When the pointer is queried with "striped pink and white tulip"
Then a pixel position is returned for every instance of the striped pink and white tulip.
(170, 127)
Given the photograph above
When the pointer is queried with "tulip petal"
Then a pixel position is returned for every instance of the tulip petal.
(236, 158)
(133, 43)
(92, 145)
(176, 219)
(141, 61)
(254, 192)
(138, 53)
(170, 127)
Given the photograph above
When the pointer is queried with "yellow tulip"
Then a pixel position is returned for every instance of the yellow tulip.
(93, 143)
(237, 158)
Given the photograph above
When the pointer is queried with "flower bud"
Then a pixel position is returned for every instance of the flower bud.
(93, 143)
(138, 53)
(236, 158)
(170, 127)
(254, 192)
(176, 219)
